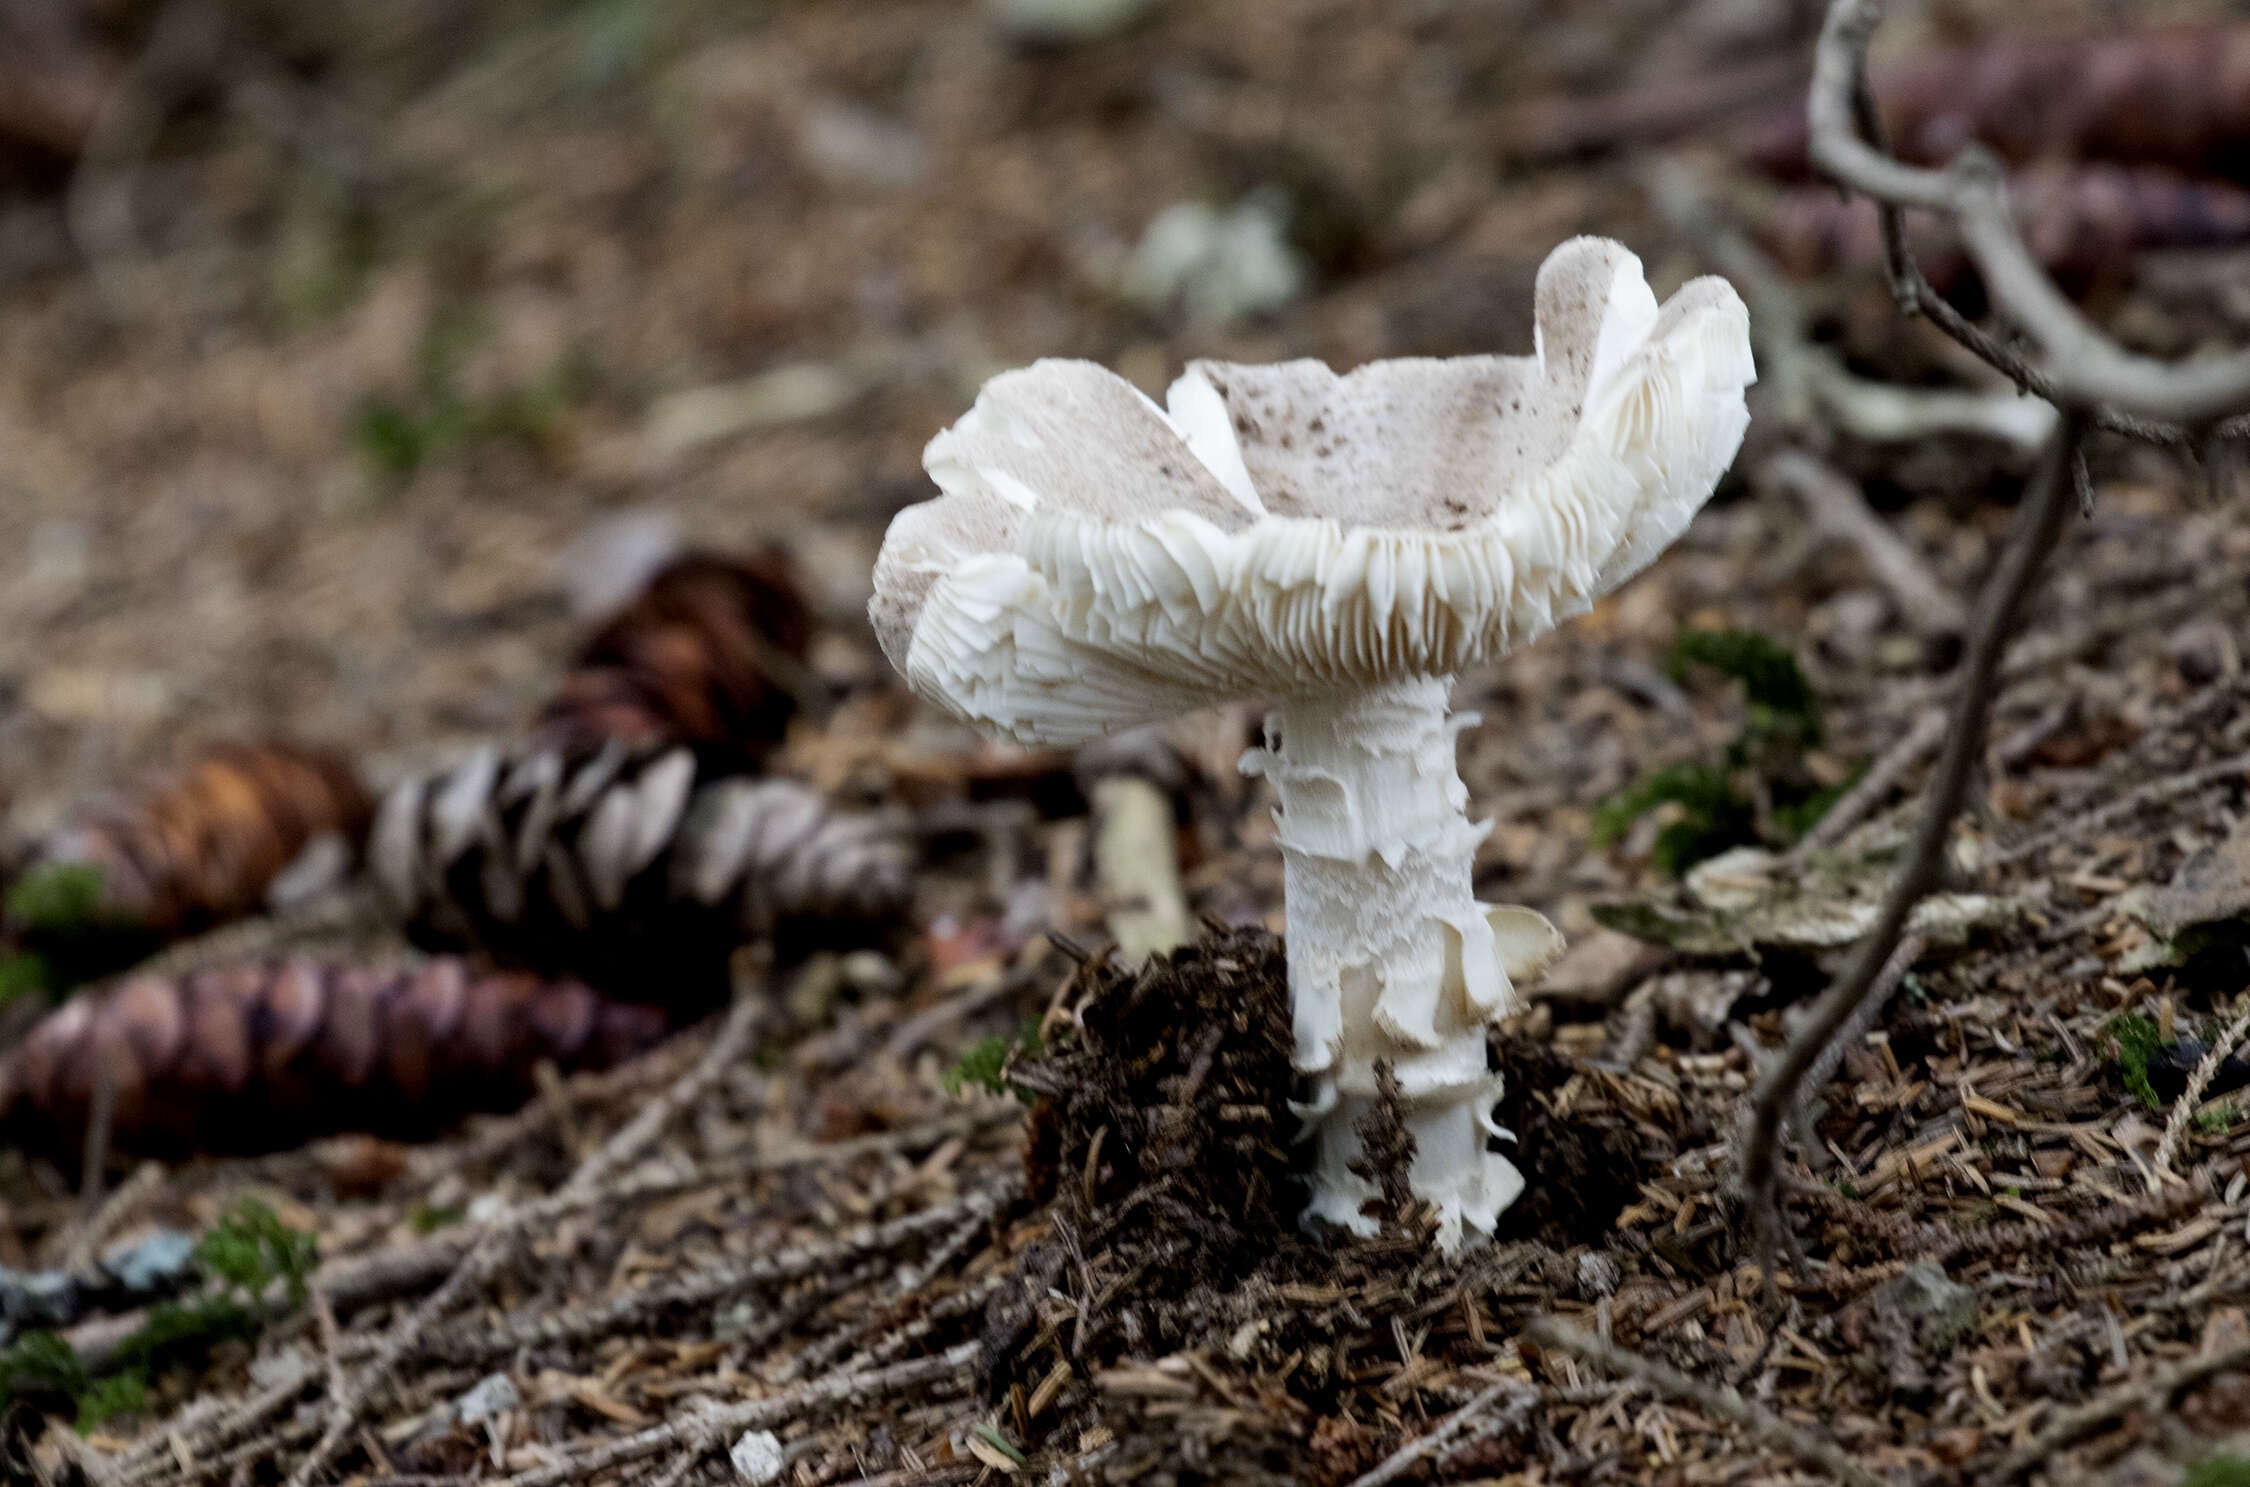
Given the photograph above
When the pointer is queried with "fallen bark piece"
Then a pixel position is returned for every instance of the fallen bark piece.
(1750, 901)
(198, 847)
(711, 654)
(268, 1057)
(631, 872)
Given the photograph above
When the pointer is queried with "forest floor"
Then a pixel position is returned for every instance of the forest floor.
(336, 388)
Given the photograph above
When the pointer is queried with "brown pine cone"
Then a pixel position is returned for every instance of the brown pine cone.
(629, 871)
(267, 1058)
(711, 655)
(195, 848)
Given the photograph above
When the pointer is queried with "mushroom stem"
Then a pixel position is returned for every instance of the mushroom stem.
(1391, 957)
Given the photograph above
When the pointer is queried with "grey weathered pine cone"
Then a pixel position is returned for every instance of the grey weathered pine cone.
(629, 871)
(262, 1058)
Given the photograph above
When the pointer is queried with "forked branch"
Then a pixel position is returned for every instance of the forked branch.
(2094, 382)
(2081, 366)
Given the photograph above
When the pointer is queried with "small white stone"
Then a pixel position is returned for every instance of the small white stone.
(491, 1397)
(1216, 265)
(852, 146)
(289, 1367)
(758, 1457)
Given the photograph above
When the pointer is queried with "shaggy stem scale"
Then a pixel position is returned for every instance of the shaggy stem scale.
(1391, 957)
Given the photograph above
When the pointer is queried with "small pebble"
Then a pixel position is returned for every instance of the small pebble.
(156, 1263)
(491, 1397)
(758, 1457)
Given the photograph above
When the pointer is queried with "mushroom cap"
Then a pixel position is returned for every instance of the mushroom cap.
(1095, 561)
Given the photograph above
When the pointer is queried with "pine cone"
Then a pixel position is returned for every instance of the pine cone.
(626, 870)
(196, 848)
(267, 1058)
(703, 657)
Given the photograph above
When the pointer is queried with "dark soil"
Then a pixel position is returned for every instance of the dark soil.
(1160, 1139)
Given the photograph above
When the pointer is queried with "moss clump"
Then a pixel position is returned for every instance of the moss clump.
(985, 1063)
(2219, 1469)
(2137, 1039)
(1761, 786)
(247, 1254)
(58, 898)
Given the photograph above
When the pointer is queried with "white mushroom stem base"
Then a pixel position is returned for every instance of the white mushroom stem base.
(1391, 958)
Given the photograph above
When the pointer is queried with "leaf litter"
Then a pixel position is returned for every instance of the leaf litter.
(2008, 1274)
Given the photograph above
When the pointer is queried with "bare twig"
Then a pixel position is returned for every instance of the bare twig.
(2093, 382)
(2153, 793)
(727, 1050)
(1430, 1443)
(544, 1326)
(2081, 366)
(2152, 1394)
(94, 1159)
(1722, 1402)
(355, 1281)
(160, 1452)
(78, 1244)
(2038, 525)
(931, 1023)
(498, 1246)
(1855, 1027)
(1881, 778)
(710, 1428)
(506, 1134)
(895, 1337)
(1804, 376)
(2102, 1226)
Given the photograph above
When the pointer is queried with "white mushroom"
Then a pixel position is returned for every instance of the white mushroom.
(1340, 546)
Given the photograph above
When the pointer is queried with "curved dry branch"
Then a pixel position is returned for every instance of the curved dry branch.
(2094, 383)
(2047, 500)
(2081, 365)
